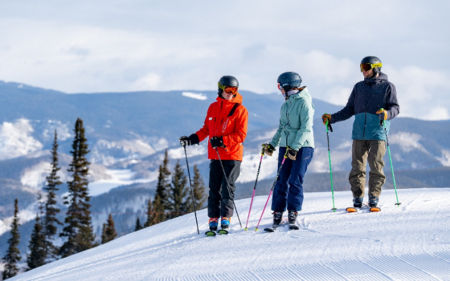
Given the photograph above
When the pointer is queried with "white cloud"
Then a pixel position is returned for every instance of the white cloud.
(16, 139)
(407, 141)
(150, 81)
(167, 46)
(438, 113)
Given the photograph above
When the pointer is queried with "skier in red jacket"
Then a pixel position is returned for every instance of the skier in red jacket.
(226, 126)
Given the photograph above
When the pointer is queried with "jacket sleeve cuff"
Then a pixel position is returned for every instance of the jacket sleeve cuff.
(194, 139)
(332, 120)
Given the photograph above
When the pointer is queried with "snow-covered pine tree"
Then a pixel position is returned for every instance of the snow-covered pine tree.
(78, 229)
(50, 221)
(198, 187)
(12, 256)
(178, 195)
(138, 225)
(109, 231)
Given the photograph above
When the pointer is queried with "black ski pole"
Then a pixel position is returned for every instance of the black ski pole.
(192, 191)
(228, 185)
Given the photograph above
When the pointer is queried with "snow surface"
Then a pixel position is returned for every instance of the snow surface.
(197, 96)
(409, 242)
(118, 178)
(16, 139)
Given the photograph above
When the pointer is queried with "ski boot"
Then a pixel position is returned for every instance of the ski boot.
(212, 227)
(292, 217)
(373, 202)
(277, 217)
(225, 225)
(357, 204)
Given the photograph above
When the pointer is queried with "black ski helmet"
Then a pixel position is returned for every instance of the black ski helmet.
(289, 80)
(373, 60)
(227, 81)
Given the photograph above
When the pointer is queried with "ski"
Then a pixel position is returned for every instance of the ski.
(293, 226)
(210, 233)
(223, 232)
(355, 209)
(272, 228)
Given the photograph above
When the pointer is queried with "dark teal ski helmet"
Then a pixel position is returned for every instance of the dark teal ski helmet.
(289, 80)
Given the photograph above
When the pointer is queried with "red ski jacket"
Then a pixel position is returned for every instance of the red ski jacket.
(229, 120)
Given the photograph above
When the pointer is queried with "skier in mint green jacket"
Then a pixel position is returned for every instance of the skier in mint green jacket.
(294, 135)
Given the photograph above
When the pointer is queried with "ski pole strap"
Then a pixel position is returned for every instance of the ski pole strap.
(286, 154)
(262, 150)
(329, 126)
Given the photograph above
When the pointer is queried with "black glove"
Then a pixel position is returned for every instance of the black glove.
(191, 140)
(268, 149)
(292, 154)
(216, 142)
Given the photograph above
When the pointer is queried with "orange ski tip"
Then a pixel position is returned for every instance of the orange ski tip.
(375, 209)
(351, 210)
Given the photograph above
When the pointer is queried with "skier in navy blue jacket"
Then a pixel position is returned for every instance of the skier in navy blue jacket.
(371, 100)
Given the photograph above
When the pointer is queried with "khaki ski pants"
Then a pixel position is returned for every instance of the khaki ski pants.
(373, 151)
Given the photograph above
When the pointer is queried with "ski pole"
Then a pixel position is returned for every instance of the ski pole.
(254, 188)
(390, 160)
(328, 125)
(228, 185)
(271, 190)
(192, 191)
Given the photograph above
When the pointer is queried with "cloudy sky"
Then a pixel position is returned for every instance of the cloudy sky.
(117, 45)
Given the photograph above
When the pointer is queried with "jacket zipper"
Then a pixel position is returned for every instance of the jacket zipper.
(288, 123)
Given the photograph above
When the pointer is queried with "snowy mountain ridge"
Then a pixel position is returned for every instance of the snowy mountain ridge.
(406, 242)
(128, 133)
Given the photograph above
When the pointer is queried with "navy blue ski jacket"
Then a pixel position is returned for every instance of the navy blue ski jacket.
(367, 97)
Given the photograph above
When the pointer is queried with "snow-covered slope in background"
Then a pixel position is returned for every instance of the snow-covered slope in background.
(409, 242)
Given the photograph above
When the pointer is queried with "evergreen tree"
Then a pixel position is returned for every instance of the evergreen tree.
(161, 202)
(78, 229)
(178, 199)
(198, 187)
(159, 210)
(138, 225)
(150, 215)
(12, 256)
(50, 220)
(109, 232)
(36, 257)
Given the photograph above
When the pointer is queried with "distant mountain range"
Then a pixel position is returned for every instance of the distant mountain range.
(128, 133)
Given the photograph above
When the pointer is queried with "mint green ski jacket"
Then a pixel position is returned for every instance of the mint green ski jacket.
(296, 122)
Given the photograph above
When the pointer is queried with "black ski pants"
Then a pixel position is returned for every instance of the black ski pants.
(220, 201)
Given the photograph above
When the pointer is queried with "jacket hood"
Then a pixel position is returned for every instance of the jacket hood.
(236, 99)
(381, 78)
(304, 93)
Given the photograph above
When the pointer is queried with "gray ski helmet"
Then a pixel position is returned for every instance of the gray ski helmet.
(227, 81)
(373, 60)
(289, 80)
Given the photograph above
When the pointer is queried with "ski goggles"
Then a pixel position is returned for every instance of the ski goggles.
(228, 90)
(279, 87)
(369, 66)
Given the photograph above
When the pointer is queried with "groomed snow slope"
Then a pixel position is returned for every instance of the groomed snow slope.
(410, 242)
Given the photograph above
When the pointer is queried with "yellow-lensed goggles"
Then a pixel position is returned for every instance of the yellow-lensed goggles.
(227, 89)
(369, 66)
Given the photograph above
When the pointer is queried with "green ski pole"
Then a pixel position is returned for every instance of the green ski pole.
(329, 160)
(390, 160)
